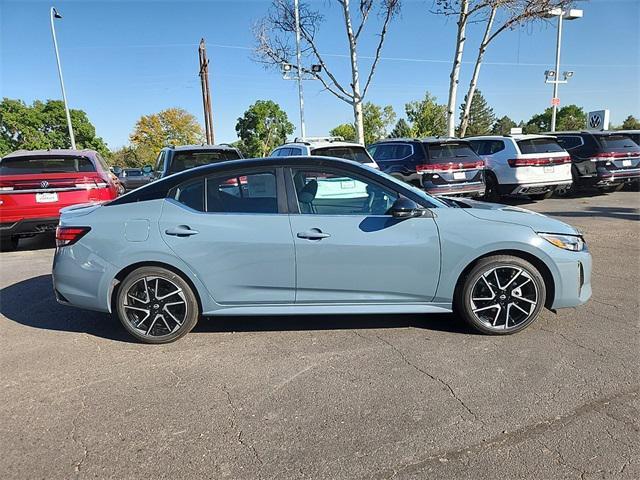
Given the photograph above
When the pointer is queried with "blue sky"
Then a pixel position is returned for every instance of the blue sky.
(122, 59)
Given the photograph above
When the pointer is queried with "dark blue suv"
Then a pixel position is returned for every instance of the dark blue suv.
(176, 159)
(439, 165)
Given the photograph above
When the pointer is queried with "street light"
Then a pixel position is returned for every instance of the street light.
(55, 14)
(551, 75)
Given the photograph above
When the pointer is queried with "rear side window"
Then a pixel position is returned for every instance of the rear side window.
(449, 151)
(391, 151)
(617, 142)
(244, 193)
(191, 194)
(27, 165)
(357, 154)
(186, 160)
(487, 147)
(570, 142)
(539, 145)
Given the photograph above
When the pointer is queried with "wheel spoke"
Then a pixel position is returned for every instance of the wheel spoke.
(179, 290)
(484, 278)
(486, 308)
(513, 278)
(495, 320)
(519, 308)
(165, 323)
(506, 320)
(152, 324)
(131, 307)
(166, 310)
(525, 300)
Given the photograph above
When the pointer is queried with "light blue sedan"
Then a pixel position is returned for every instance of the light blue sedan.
(259, 237)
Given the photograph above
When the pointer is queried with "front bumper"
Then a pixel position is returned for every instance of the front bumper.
(573, 285)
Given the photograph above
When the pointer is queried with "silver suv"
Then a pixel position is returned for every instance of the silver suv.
(325, 147)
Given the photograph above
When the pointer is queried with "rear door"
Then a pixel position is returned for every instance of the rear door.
(349, 250)
(233, 231)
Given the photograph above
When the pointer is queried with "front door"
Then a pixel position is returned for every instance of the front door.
(235, 236)
(349, 250)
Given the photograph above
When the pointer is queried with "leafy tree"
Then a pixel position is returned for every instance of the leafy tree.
(503, 126)
(43, 125)
(570, 117)
(401, 130)
(126, 157)
(427, 117)
(346, 131)
(481, 117)
(263, 127)
(173, 126)
(631, 123)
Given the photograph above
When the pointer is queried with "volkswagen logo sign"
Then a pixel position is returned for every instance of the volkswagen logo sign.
(595, 121)
(44, 184)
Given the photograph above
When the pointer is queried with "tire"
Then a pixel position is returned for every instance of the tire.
(541, 196)
(475, 295)
(9, 244)
(150, 312)
(491, 193)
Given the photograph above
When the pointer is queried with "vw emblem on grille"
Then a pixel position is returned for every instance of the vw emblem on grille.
(44, 184)
(594, 121)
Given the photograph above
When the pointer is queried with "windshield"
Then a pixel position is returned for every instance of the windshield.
(450, 150)
(37, 165)
(539, 145)
(617, 142)
(355, 153)
(186, 160)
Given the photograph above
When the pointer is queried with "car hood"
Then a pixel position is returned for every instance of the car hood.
(496, 212)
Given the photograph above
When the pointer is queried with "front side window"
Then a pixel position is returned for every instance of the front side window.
(334, 192)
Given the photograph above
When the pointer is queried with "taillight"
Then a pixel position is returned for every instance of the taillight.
(91, 183)
(538, 162)
(606, 156)
(66, 236)
(449, 167)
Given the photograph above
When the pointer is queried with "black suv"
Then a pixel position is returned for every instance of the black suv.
(606, 159)
(439, 165)
(176, 159)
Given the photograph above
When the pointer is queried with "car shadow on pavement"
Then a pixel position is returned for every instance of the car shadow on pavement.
(32, 303)
(619, 213)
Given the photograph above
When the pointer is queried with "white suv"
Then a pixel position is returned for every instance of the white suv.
(325, 147)
(532, 165)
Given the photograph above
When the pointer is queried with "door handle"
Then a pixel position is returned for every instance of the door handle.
(180, 231)
(313, 234)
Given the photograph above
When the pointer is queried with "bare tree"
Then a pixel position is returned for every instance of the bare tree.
(515, 13)
(274, 44)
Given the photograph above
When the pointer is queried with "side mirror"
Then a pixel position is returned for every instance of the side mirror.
(147, 169)
(405, 208)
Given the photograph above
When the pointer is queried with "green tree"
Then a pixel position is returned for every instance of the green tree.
(43, 125)
(173, 126)
(401, 130)
(503, 126)
(263, 127)
(427, 117)
(571, 117)
(481, 117)
(631, 123)
(344, 130)
(126, 157)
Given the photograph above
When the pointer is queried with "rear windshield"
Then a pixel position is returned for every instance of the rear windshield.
(450, 150)
(186, 160)
(617, 142)
(539, 145)
(133, 173)
(37, 165)
(357, 154)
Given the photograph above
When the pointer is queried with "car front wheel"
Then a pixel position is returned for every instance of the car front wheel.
(501, 295)
(156, 305)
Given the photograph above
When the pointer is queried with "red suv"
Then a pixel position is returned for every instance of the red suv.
(35, 185)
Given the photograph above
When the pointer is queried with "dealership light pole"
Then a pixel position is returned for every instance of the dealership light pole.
(552, 76)
(55, 14)
(296, 8)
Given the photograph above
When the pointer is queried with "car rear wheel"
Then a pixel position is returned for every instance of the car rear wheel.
(501, 295)
(491, 193)
(156, 305)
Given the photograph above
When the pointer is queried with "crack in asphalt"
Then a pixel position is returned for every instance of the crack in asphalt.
(77, 465)
(448, 387)
(233, 424)
(572, 341)
(513, 438)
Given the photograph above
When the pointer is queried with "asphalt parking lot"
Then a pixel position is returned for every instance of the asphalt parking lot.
(329, 397)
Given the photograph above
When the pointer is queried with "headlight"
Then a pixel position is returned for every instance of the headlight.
(575, 243)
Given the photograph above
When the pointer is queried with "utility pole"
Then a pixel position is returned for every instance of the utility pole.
(55, 14)
(206, 93)
(554, 107)
(296, 9)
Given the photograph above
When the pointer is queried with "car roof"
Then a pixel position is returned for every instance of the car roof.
(54, 151)
(516, 136)
(588, 132)
(204, 147)
(320, 144)
(433, 139)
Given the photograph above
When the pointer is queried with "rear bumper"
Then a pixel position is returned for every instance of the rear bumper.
(466, 188)
(28, 226)
(606, 176)
(535, 188)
